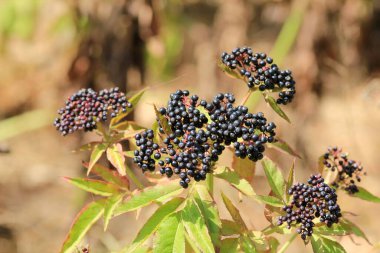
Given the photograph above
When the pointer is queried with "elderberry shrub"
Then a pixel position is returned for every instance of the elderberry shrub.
(311, 200)
(84, 108)
(260, 72)
(349, 171)
(196, 141)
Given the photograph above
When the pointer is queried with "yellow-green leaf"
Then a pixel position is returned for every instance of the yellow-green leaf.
(269, 200)
(82, 223)
(230, 245)
(230, 228)
(234, 212)
(110, 206)
(94, 186)
(170, 236)
(163, 121)
(96, 153)
(109, 175)
(245, 168)
(366, 195)
(283, 147)
(116, 157)
(274, 176)
(233, 178)
(322, 244)
(272, 102)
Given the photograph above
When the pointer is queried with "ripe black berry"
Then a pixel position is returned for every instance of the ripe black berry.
(259, 72)
(84, 108)
(349, 172)
(312, 200)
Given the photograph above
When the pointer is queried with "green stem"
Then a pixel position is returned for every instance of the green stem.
(134, 179)
(287, 244)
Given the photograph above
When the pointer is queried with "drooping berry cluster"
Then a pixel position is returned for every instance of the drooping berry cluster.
(84, 108)
(311, 200)
(349, 171)
(199, 132)
(260, 72)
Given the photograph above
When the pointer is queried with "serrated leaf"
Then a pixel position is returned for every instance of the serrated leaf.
(283, 147)
(97, 187)
(109, 175)
(82, 223)
(163, 121)
(269, 200)
(133, 100)
(149, 195)
(170, 236)
(325, 245)
(233, 178)
(196, 227)
(245, 168)
(354, 229)
(272, 103)
(153, 222)
(247, 244)
(110, 206)
(230, 228)
(230, 245)
(366, 195)
(209, 212)
(96, 153)
(116, 157)
(234, 212)
(274, 176)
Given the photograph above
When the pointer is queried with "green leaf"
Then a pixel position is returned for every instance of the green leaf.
(354, 229)
(163, 121)
(82, 223)
(94, 186)
(289, 182)
(196, 227)
(149, 195)
(233, 178)
(234, 212)
(283, 147)
(366, 195)
(204, 111)
(325, 245)
(116, 158)
(209, 212)
(153, 222)
(245, 168)
(96, 153)
(128, 126)
(230, 228)
(247, 244)
(228, 71)
(133, 100)
(129, 154)
(230, 245)
(87, 147)
(272, 102)
(269, 200)
(253, 100)
(110, 206)
(273, 244)
(170, 236)
(274, 176)
(334, 230)
(109, 175)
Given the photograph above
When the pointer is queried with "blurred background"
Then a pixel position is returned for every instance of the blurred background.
(50, 49)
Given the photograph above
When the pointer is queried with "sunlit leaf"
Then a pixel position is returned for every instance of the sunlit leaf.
(110, 206)
(87, 147)
(228, 71)
(196, 227)
(129, 154)
(269, 200)
(272, 102)
(149, 195)
(133, 100)
(125, 135)
(247, 244)
(230, 245)
(153, 222)
(253, 100)
(170, 236)
(96, 153)
(82, 223)
(209, 212)
(233, 178)
(109, 175)
(163, 121)
(230, 228)
(290, 181)
(283, 147)
(322, 244)
(274, 176)
(94, 186)
(234, 212)
(366, 195)
(245, 168)
(205, 112)
(273, 244)
(353, 228)
(128, 126)
(116, 157)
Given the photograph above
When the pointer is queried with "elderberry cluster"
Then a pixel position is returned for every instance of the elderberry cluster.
(260, 72)
(349, 171)
(198, 133)
(84, 108)
(311, 200)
